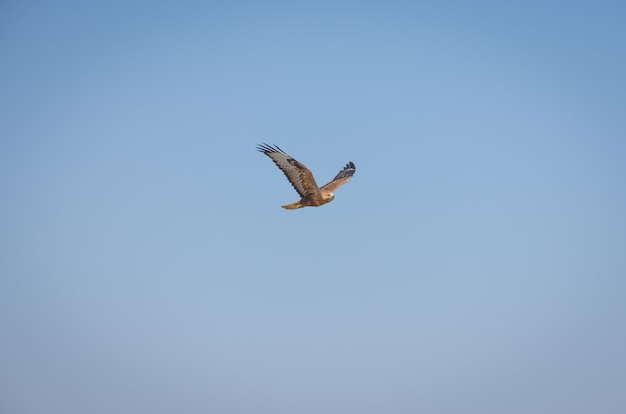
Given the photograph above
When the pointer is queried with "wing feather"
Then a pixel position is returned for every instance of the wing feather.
(297, 173)
(340, 179)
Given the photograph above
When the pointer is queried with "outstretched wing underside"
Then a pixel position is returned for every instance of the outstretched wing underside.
(298, 175)
(340, 179)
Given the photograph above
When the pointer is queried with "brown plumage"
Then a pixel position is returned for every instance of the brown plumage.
(302, 179)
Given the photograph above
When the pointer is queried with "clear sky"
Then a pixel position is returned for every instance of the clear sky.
(476, 263)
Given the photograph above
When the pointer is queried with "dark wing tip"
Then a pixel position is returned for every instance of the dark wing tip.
(269, 149)
(348, 171)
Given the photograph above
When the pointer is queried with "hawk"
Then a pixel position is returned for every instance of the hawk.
(301, 178)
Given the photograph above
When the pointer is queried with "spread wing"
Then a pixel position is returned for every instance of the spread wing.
(343, 177)
(298, 175)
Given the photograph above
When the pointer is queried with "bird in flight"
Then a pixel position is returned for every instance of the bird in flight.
(301, 178)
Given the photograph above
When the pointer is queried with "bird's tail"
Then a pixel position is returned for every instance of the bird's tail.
(293, 206)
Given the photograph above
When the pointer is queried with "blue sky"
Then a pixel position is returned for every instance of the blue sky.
(476, 263)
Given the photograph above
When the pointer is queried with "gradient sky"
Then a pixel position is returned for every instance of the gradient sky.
(476, 263)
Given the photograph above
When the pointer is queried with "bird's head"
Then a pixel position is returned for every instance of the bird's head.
(328, 196)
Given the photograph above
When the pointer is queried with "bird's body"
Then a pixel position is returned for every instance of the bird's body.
(303, 181)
